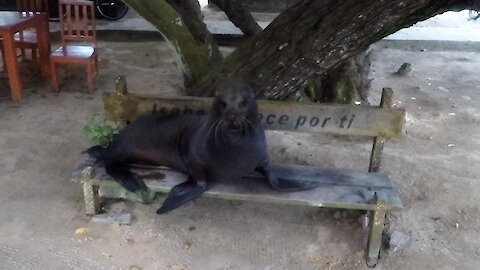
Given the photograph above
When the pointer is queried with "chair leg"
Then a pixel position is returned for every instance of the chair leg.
(4, 61)
(55, 84)
(91, 197)
(4, 65)
(22, 50)
(90, 77)
(34, 55)
(96, 63)
(377, 225)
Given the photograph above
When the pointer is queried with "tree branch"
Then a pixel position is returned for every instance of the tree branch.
(192, 16)
(239, 16)
(312, 37)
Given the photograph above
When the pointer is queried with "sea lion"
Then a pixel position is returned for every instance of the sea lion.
(227, 143)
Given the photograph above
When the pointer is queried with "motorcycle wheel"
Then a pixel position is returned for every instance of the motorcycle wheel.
(473, 14)
(111, 9)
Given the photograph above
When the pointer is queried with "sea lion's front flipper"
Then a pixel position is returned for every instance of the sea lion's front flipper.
(181, 194)
(286, 185)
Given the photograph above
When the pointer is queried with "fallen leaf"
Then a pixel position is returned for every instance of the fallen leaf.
(330, 265)
(81, 230)
(130, 241)
(313, 260)
(177, 267)
(187, 245)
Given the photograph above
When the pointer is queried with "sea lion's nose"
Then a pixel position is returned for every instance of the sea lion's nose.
(229, 114)
(237, 121)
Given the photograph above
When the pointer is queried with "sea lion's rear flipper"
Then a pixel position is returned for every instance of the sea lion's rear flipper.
(181, 194)
(286, 185)
(96, 152)
(122, 174)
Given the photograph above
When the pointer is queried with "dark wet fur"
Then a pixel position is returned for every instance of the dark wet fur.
(226, 144)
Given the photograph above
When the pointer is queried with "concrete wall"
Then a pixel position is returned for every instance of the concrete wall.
(7, 5)
(267, 5)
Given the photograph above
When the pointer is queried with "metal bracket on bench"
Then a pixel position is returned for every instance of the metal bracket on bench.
(376, 226)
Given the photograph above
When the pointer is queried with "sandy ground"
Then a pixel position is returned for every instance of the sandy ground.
(434, 166)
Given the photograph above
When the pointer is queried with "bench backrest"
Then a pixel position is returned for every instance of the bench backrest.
(381, 122)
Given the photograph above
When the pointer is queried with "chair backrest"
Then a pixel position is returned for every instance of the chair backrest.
(32, 5)
(77, 21)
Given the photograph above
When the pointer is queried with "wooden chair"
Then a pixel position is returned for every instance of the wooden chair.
(28, 39)
(78, 39)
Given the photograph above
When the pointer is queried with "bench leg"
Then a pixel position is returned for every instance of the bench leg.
(376, 227)
(147, 196)
(91, 197)
(377, 223)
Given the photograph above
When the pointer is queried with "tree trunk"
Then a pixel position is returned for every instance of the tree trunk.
(312, 39)
(180, 23)
(347, 83)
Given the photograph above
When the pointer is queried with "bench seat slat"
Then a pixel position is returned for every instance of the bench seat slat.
(339, 189)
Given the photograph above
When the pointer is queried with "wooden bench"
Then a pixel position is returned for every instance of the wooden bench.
(347, 189)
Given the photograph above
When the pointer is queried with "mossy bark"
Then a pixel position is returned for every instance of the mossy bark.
(180, 24)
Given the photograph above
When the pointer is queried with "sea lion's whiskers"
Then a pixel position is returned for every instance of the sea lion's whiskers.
(220, 124)
(249, 128)
(245, 127)
(242, 129)
(213, 125)
(249, 123)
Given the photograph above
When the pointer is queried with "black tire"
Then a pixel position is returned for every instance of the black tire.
(53, 11)
(111, 9)
(473, 14)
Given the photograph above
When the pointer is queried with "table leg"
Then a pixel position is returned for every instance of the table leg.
(11, 63)
(4, 62)
(44, 46)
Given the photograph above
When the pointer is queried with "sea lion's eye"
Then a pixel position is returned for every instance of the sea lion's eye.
(243, 103)
(222, 103)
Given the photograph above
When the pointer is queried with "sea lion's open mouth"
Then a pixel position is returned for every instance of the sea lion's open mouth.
(232, 126)
(236, 124)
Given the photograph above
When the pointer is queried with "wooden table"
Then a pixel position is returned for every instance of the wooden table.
(12, 22)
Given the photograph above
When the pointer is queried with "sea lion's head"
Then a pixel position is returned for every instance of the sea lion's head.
(235, 105)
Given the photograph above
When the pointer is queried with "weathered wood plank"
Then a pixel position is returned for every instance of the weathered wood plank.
(339, 189)
(377, 224)
(378, 142)
(113, 218)
(287, 116)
